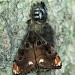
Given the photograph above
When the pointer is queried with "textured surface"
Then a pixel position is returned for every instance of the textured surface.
(13, 17)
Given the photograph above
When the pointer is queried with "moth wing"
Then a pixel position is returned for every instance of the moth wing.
(49, 59)
(25, 58)
(57, 63)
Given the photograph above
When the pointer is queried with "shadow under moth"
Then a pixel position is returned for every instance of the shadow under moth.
(36, 52)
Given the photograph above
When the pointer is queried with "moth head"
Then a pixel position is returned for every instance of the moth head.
(38, 12)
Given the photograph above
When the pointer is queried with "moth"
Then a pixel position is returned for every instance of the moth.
(35, 54)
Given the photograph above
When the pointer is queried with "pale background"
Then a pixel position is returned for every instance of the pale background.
(13, 17)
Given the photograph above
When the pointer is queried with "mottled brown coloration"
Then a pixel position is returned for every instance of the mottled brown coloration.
(35, 54)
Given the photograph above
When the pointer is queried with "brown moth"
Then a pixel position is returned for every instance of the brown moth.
(35, 54)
